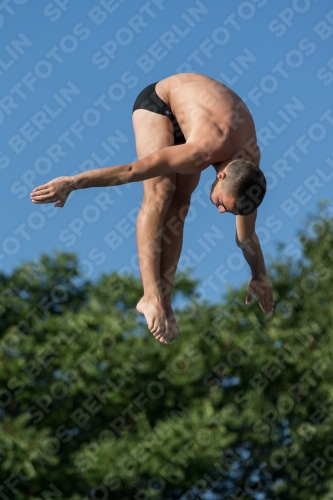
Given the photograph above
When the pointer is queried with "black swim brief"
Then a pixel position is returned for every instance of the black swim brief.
(149, 100)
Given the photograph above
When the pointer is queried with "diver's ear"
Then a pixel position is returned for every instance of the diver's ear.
(221, 175)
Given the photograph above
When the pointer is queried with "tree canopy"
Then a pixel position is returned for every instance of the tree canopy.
(93, 407)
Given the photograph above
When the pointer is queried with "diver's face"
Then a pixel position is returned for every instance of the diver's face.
(223, 201)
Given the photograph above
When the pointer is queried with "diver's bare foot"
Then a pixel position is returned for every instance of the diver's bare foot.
(172, 322)
(154, 312)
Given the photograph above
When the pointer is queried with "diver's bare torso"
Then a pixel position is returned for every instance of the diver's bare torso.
(206, 108)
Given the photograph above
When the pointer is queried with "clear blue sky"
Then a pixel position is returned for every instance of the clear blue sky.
(70, 72)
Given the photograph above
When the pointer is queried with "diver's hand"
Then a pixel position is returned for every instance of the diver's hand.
(262, 289)
(56, 190)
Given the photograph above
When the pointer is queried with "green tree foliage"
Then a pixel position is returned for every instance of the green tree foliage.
(93, 407)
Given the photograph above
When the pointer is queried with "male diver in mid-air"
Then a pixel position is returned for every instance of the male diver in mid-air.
(182, 125)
